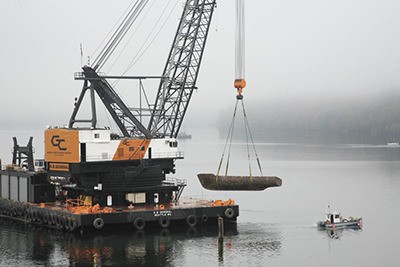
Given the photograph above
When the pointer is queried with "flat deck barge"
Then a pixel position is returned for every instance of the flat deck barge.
(19, 192)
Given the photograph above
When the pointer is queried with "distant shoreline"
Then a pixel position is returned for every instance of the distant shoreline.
(371, 119)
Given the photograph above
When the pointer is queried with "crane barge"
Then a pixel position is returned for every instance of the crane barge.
(93, 177)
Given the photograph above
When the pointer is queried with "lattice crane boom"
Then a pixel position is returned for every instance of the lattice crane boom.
(182, 68)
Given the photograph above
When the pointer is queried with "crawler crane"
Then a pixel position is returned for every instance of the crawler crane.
(131, 168)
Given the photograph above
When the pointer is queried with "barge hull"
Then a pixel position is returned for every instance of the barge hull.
(55, 215)
(348, 224)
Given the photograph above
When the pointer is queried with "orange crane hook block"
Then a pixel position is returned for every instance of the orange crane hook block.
(239, 84)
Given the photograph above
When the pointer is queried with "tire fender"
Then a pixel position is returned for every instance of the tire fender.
(229, 213)
(98, 223)
(164, 222)
(139, 223)
(191, 220)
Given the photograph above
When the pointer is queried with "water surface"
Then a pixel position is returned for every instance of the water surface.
(276, 227)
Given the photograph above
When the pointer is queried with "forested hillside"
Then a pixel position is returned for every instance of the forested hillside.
(366, 115)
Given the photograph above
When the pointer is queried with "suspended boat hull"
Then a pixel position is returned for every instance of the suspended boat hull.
(238, 183)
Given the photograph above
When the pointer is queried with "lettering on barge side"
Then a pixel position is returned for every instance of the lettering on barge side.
(158, 213)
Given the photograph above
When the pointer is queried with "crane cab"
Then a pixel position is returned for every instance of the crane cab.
(99, 164)
(333, 217)
(65, 146)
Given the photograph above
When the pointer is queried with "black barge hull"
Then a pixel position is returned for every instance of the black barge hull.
(28, 196)
(189, 212)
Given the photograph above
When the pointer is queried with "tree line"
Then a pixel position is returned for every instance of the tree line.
(367, 115)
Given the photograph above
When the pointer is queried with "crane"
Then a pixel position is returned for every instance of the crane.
(112, 169)
(96, 176)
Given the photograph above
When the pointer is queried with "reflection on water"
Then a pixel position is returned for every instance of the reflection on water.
(340, 232)
(268, 241)
(23, 244)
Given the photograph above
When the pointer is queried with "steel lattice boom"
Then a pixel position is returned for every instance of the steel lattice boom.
(182, 67)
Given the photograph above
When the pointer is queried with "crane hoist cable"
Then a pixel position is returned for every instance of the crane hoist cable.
(151, 37)
(133, 34)
(119, 33)
(239, 84)
(146, 45)
(112, 29)
(240, 81)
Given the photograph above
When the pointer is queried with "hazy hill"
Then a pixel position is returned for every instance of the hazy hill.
(363, 115)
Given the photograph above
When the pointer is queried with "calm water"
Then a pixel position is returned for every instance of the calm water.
(276, 227)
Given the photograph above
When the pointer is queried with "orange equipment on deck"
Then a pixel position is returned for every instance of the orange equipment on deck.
(83, 206)
(219, 202)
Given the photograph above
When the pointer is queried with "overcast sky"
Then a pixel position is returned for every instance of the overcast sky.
(294, 49)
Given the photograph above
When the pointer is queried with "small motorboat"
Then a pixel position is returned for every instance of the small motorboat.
(335, 220)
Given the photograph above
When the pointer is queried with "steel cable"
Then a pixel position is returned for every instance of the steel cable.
(240, 41)
(229, 138)
(251, 138)
(119, 34)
